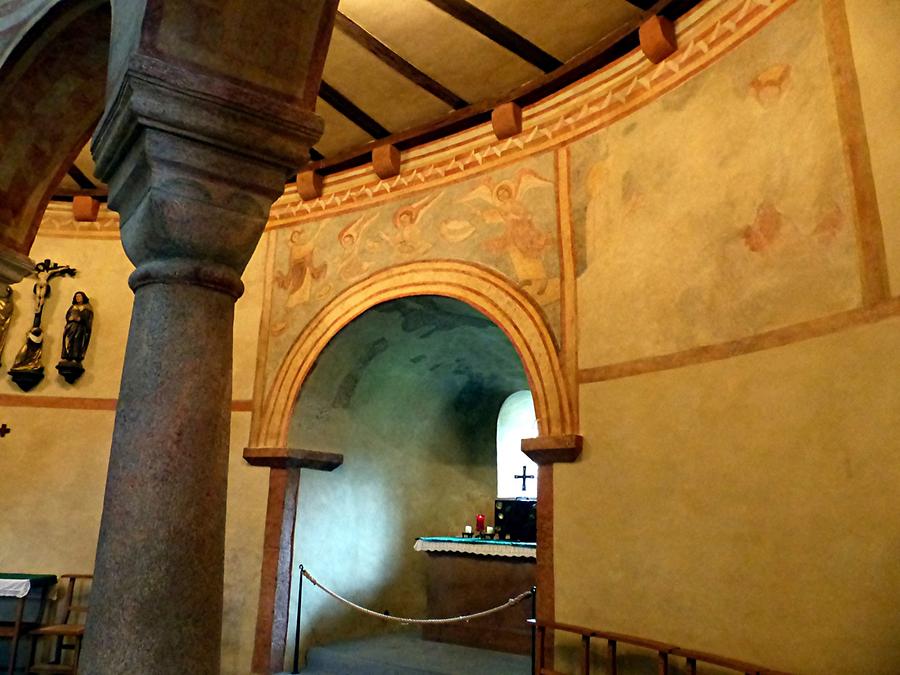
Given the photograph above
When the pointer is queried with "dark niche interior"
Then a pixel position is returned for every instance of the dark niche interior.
(409, 392)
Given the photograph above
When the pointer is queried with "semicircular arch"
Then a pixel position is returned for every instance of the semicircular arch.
(54, 78)
(514, 312)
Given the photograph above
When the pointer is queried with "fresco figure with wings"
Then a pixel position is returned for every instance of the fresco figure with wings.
(407, 237)
(351, 266)
(302, 271)
(523, 242)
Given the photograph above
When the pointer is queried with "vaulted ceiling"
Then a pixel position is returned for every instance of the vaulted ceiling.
(405, 66)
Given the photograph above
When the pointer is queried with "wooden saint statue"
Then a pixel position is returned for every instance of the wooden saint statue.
(27, 370)
(6, 312)
(76, 336)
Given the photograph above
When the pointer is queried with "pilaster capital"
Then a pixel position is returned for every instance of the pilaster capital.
(194, 163)
(14, 266)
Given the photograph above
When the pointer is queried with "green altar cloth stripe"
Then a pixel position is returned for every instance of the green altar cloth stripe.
(35, 579)
(476, 541)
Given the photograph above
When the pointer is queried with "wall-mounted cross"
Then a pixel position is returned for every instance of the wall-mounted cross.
(4, 430)
(524, 477)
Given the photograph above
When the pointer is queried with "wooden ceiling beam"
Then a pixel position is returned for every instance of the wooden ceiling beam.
(387, 55)
(611, 47)
(642, 5)
(81, 178)
(351, 111)
(503, 35)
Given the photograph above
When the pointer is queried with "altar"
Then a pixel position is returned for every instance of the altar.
(467, 575)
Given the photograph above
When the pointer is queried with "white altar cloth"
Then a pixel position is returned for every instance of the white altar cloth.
(14, 588)
(503, 549)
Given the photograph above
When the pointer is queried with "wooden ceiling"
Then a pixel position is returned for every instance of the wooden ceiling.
(399, 69)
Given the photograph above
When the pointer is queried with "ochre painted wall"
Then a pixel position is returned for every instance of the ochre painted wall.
(873, 27)
(746, 506)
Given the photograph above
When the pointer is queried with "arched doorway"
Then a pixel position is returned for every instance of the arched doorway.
(409, 392)
(494, 296)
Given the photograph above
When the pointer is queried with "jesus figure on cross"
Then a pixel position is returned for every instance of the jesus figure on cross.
(45, 271)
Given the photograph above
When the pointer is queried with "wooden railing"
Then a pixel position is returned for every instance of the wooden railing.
(663, 651)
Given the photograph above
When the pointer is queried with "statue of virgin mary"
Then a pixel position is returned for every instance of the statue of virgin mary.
(77, 333)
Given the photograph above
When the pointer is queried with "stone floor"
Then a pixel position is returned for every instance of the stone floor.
(408, 654)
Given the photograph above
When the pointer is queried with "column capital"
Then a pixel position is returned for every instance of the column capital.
(14, 266)
(231, 115)
(194, 163)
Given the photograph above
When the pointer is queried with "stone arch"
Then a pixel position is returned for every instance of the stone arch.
(514, 312)
(53, 77)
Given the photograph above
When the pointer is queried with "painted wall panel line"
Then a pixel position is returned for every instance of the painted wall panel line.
(568, 285)
(873, 270)
(754, 343)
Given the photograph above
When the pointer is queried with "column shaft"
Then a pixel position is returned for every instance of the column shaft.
(159, 570)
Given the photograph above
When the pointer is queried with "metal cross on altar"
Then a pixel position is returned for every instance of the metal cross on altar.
(4, 430)
(524, 477)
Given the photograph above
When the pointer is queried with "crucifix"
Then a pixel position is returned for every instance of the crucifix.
(45, 271)
(27, 369)
(524, 477)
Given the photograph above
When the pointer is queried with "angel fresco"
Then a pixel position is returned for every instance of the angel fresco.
(302, 271)
(523, 242)
(351, 266)
(406, 238)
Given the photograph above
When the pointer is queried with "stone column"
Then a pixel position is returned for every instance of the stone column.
(193, 168)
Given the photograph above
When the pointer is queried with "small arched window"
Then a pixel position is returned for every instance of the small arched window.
(515, 422)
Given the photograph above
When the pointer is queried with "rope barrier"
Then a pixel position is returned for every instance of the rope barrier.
(405, 621)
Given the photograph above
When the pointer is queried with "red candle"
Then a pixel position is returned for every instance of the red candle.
(479, 522)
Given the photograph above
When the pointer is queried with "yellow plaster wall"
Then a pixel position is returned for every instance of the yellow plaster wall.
(746, 507)
(873, 32)
(53, 464)
(53, 468)
(721, 209)
(102, 273)
(245, 521)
